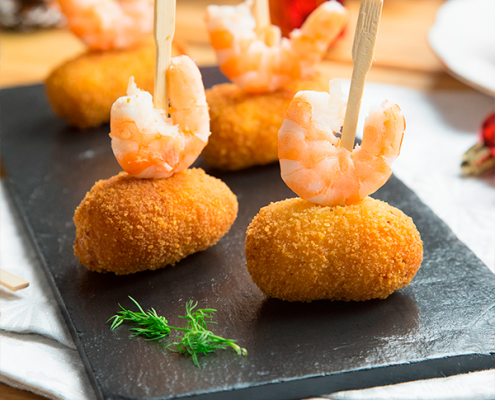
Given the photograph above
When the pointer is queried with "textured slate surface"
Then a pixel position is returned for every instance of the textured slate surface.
(442, 324)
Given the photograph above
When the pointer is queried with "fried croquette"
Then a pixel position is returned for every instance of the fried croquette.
(301, 251)
(244, 126)
(125, 225)
(83, 89)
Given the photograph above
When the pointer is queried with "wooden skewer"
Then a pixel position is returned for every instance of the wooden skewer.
(164, 30)
(11, 281)
(262, 14)
(362, 56)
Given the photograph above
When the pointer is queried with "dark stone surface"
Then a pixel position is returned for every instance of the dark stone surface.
(442, 324)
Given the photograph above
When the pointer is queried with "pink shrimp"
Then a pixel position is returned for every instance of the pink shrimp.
(264, 61)
(109, 24)
(313, 165)
(148, 144)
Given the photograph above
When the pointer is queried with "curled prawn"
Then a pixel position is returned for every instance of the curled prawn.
(319, 171)
(264, 61)
(109, 24)
(149, 144)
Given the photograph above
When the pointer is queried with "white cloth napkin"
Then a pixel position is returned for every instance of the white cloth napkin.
(38, 354)
(37, 351)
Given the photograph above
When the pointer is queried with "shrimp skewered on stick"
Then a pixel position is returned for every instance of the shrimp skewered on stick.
(314, 163)
(319, 170)
(109, 24)
(149, 144)
(118, 35)
(267, 71)
(334, 242)
(260, 60)
(128, 224)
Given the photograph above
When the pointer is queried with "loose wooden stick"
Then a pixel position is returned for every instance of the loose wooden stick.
(262, 14)
(164, 30)
(362, 56)
(12, 282)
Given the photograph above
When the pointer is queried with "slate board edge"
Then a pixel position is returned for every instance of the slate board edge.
(51, 281)
(322, 385)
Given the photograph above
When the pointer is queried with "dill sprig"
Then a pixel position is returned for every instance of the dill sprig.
(196, 339)
(151, 325)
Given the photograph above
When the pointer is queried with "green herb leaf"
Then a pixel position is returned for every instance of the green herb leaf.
(196, 339)
(151, 325)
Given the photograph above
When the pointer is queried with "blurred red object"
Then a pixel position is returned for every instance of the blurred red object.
(290, 14)
(487, 133)
(481, 157)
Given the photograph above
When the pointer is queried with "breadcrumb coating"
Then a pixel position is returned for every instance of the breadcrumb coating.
(300, 251)
(244, 126)
(125, 225)
(82, 90)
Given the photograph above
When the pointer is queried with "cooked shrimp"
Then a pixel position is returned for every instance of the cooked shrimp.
(149, 144)
(317, 169)
(264, 61)
(109, 24)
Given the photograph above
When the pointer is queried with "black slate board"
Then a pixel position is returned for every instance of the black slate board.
(442, 324)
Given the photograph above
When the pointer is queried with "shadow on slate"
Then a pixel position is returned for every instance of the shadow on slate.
(442, 324)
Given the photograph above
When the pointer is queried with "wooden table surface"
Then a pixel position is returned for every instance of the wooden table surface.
(402, 57)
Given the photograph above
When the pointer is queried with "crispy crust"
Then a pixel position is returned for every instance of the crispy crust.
(82, 90)
(300, 251)
(244, 127)
(125, 225)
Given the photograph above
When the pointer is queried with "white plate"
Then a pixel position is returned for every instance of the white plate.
(463, 36)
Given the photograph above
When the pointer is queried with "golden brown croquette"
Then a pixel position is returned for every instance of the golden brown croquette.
(83, 89)
(300, 251)
(244, 127)
(125, 225)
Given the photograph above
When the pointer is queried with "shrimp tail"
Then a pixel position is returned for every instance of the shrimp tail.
(319, 30)
(188, 108)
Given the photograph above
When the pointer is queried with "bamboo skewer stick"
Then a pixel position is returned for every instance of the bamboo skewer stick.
(262, 14)
(11, 281)
(362, 55)
(164, 30)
